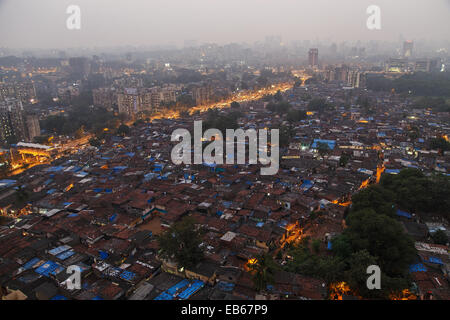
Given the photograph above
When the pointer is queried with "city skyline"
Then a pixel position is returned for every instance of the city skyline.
(42, 24)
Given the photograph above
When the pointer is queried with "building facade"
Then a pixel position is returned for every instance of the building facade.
(11, 120)
(313, 57)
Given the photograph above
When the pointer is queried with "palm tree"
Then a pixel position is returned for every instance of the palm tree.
(263, 268)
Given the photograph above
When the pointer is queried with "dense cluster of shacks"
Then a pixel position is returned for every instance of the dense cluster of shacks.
(100, 209)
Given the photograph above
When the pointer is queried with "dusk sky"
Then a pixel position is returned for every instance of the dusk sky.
(42, 23)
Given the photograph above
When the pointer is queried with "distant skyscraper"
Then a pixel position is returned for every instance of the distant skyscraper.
(32, 127)
(313, 57)
(80, 67)
(11, 121)
(128, 102)
(408, 49)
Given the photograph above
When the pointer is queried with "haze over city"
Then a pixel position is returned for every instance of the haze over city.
(42, 23)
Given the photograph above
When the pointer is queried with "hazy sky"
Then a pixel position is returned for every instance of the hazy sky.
(42, 23)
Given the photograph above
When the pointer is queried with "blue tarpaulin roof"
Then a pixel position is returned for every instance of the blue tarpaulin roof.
(170, 293)
(7, 183)
(225, 286)
(227, 204)
(30, 263)
(331, 143)
(434, 260)
(194, 287)
(164, 296)
(172, 290)
(57, 270)
(417, 267)
(392, 171)
(103, 255)
(306, 185)
(65, 255)
(46, 268)
(59, 250)
(403, 214)
(55, 169)
(128, 275)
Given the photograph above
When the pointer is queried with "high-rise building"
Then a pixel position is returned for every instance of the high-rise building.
(313, 57)
(408, 49)
(79, 67)
(202, 94)
(356, 79)
(32, 127)
(23, 90)
(104, 97)
(11, 120)
(129, 102)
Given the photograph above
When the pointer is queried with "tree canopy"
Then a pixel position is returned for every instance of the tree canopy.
(181, 242)
(415, 192)
(263, 270)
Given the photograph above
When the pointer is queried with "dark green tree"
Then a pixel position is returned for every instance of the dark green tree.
(95, 142)
(263, 271)
(235, 105)
(280, 107)
(344, 159)
(323, 149)
(181, 242)
(440, 144)
(123, 130)
(440, 237)
(383, 237)
(375, 197)
(296, 115)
